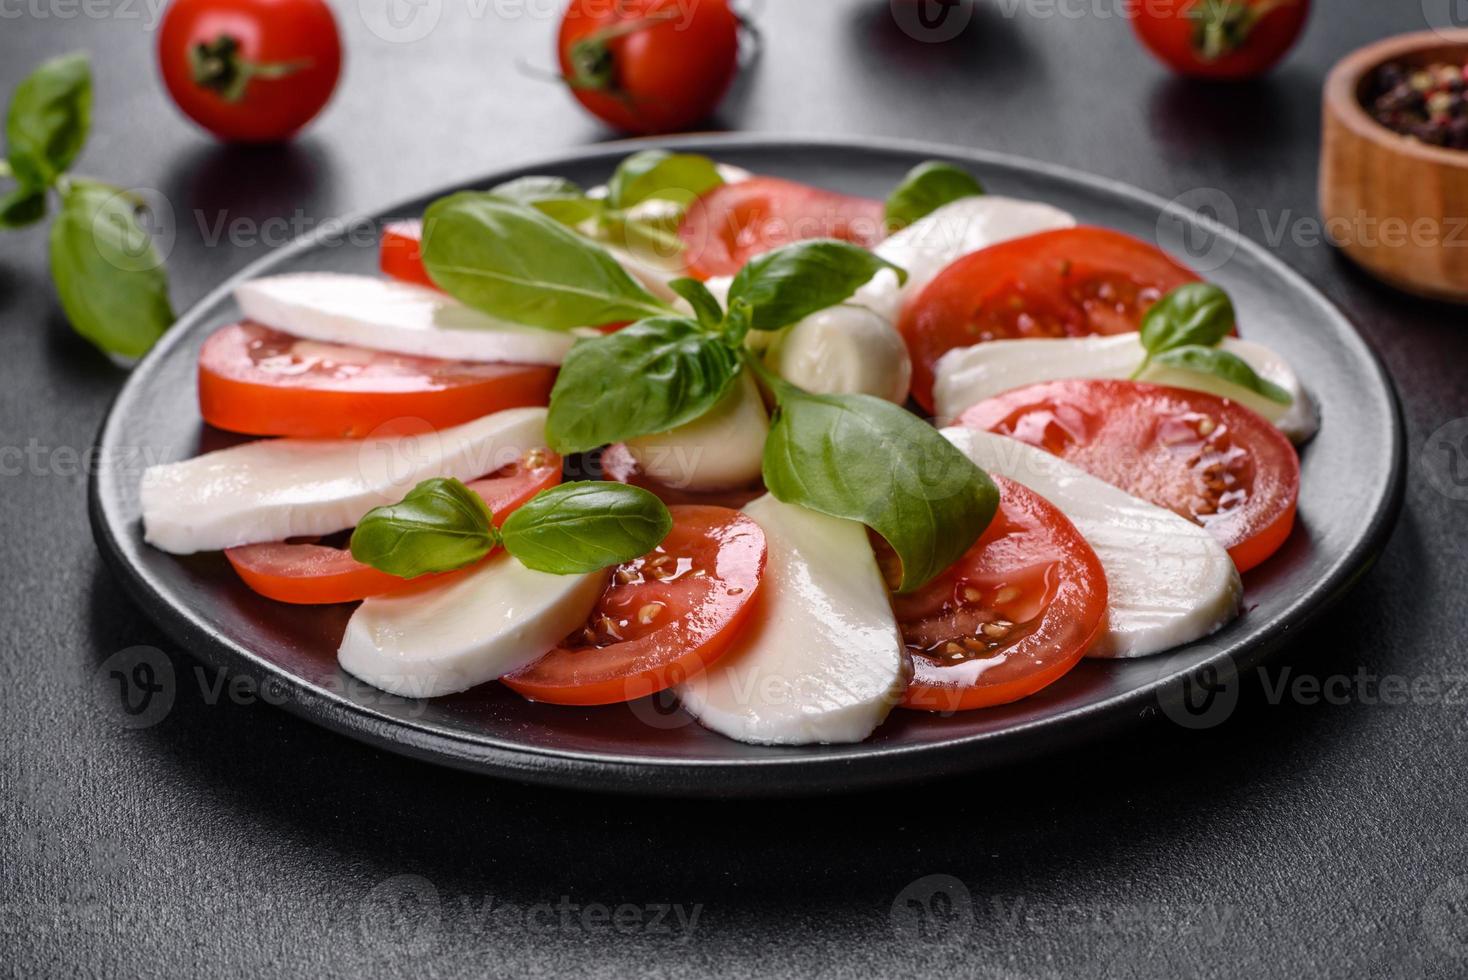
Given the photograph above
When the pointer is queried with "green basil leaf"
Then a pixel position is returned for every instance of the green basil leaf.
(1197, 313)
(554, 197)
(107, 272)
(791, 283)
(515, 263)
(1222, 364)
(865, 459)
(439, 526)
(583, 527)
(925, 189)
(737, 323)
(647, 378)
(705, 306)
(22, 206)
(660, 174)
(48, 120)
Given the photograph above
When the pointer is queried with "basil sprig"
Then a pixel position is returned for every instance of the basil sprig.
(1183, 329)
(442, 525)
(868, 460)
(108, 274)
(789, 284)
(926, 188)
(660, 175)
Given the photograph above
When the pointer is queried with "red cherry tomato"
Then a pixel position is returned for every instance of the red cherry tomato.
(1017, 611)
(249, 70)
(663, 618)
(266, 383)
(1221, 38)
(1206, 458)
(733, 223)
(401, 253)
(315, 574)
(649, 66)
(1066, 283)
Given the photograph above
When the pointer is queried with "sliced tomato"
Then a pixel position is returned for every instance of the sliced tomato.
(663, 618)
(262, 382)
(733, 223)
(1066, 283)
(317, 574)
(401, 253)
(617, 463)
(1206, 458)
(1017, 611)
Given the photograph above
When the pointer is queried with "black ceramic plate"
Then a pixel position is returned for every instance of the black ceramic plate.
(654, 748)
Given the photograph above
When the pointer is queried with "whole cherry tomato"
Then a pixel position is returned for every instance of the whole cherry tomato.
(649, 66)
(1220, 38)
(250, 71)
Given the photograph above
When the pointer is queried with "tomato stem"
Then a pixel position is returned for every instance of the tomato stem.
(1221, 27)
(593, 66)
(217, 65)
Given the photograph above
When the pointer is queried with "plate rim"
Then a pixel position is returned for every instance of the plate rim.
(850, 769)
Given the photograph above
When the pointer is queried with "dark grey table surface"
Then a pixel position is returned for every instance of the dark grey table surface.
(1308, 834)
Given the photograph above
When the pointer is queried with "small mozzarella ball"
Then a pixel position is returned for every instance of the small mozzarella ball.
(723, 449)
(843, 351)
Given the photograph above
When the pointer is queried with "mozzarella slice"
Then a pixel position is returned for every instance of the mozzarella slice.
(274, 489)
(967, 375)
(929, 245)
(477, 627)
(723, 449)
(821, 659)
(841, 351)
(393, 316)
(649, 272)
(1170, 581)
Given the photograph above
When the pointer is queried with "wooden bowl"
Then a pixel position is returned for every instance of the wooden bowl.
(1398, 207)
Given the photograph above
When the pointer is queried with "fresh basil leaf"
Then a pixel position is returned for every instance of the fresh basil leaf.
(48, 120)
(583, 527)
(791, 283)
(737, 323)
(439, 526)
(554, 197)
(865, 459)
(22, 206)
(705, 306)
(659, 174)
(1222, 364)
(515, 263)
(650, 377)
(1197, 313)
(925, 189)
(108, 274)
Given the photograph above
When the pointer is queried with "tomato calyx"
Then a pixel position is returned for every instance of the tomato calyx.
(1221, 27)
(219, 66)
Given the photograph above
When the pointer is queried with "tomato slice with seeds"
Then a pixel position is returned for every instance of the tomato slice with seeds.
(1071, 282)
(618, 463)
(317, 574)
(263, 382)
(400, 253)
(663, 618)
(1013, 615)
(733, 223)
(1206, 458)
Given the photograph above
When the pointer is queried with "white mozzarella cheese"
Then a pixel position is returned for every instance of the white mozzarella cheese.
(379, 314)
(929, 245)
(841, 351)
(1170, 582)
(274, 489)
(721, 450)
(477, 627)
(821, 659)
(967, 375)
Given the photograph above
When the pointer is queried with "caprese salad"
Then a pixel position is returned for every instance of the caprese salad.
(779, 536)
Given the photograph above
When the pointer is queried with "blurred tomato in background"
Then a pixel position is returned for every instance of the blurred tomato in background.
(649, 66)
(1224, 39)
(250, 70)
